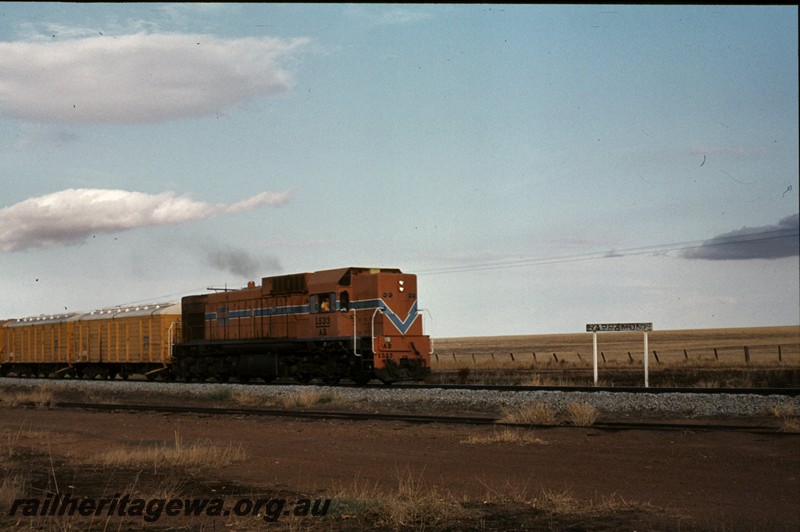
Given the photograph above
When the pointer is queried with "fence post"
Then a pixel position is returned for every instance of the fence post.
(454, 357)
(716, 356)
(630, 358)
(645, 362)
(656, 356)
(780, 355)
(594, 355)
(555, 357)
(512, 357)
(685, 355)
(534, 356)
(746, 354)
(603, 356)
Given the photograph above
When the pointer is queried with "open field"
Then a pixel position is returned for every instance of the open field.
(765, 353)
(276, 473)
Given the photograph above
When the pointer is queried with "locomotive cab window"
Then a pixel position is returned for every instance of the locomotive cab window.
(344, 301)
(322, 302)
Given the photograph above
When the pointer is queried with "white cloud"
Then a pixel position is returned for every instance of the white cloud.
(70, 216)
(140, 78)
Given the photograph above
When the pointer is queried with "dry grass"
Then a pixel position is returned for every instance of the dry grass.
(411, 504)
(506, 435)
(195, 455)
(9, 440)
(39, 397)
(303, 398)
(676, 348)
(537, 413)
(540, 413)
(790, 422)
(309, 397)
(12, 487)
(582, 414)
(562, 505)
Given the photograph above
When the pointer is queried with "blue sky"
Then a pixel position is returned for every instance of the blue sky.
(538, 167)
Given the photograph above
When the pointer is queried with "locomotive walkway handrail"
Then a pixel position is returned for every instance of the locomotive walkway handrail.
(172, 329)
(378, 309)
(430, 320)
(355, 332)
(355, 345)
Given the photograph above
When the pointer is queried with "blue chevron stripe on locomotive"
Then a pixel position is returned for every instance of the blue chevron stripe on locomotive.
(402, 325)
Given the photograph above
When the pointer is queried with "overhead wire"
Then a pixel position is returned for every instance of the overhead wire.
(614, 253)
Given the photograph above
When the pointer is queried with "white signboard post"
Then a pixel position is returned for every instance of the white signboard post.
(594, 328)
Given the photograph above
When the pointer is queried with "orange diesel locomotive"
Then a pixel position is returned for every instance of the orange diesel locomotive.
(354, 323)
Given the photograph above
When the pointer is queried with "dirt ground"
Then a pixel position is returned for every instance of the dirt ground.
(394, 475)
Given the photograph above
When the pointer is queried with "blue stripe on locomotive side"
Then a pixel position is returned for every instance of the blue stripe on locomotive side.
(402, 325)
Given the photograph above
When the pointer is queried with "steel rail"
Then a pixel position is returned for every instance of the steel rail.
(417, 418)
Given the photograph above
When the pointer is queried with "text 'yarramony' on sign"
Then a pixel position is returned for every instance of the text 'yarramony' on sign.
(613, 327)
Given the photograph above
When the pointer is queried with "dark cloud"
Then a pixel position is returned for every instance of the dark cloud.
(765, 242)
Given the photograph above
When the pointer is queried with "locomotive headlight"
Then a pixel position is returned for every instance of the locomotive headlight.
(401, 285)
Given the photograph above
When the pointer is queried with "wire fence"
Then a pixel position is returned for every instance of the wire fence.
(776, 354)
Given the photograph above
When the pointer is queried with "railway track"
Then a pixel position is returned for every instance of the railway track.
(413, 418)
(789, 392)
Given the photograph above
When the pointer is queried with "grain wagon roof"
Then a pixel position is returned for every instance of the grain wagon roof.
(170, 307)
(42, 319)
